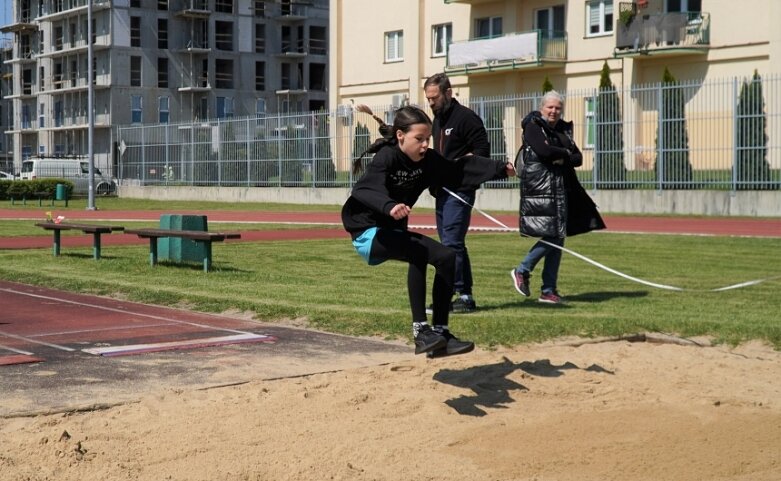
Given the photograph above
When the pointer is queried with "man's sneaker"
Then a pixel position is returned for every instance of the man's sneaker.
(428, 339)
(521, 282)
(463, 304)
(454, 346)
(551, 298)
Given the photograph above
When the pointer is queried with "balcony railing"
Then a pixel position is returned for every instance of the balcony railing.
(663, 31)
(515, 50)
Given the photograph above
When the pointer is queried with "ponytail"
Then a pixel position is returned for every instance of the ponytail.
(403, 120)
(373, 149)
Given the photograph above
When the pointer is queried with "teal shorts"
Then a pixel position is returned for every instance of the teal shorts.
(363, 245)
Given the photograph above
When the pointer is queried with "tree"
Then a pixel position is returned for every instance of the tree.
(609, 169)
(752, 168)
(323, 169)
(361, 141)
(494, 126)
(672, 165)
(547, 86)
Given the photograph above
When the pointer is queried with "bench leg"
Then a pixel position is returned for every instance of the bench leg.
(207, 261)
(56, 245)
(96, 245)
(152, 251)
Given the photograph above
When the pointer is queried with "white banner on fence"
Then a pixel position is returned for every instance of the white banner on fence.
(508, 47)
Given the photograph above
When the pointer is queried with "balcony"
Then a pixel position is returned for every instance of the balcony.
(196, 46)
(67, 8)
(22, 23)
(291, 13)
(518, 50)
(674, 33)
(192, 8)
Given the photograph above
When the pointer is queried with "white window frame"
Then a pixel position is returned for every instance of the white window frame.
(589, 107)
(597, 12)
(394, 46)
(441, 37)
(495, 27)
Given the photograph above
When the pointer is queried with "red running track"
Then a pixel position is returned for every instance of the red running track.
(332, 225)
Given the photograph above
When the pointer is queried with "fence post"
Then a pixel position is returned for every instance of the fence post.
(735, 123)
(246, 153)
(660, 138)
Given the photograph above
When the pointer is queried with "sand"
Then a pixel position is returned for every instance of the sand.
(550, 412)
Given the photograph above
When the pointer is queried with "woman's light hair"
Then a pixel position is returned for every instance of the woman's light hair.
(551, 95)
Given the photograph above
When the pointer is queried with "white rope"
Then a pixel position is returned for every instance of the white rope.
(606, 268)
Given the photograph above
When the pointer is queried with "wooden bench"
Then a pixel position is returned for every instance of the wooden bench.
(195, 235)
(40, 196)
(94, 229)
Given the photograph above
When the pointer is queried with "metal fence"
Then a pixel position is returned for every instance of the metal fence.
(719, 134)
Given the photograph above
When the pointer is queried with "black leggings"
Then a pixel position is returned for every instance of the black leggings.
(419, 251)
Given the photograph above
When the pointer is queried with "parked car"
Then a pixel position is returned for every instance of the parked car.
(6, 176)
(75, 170)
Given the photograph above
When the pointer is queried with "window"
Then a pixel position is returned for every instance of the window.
(260, 75)
(223, 37)
(394, 46)
(223, 75)
(488, 27)
(224, 6)
(317, 78)
(260, 8)
(135, 71)
(162, 33)
(318, 42)
(162, 72)
(441, 36)
(135, 3)
(224, 107)
(163, 109)
(41, 116)
(684, 5)
(59, 37)
(58, 114)
(599, 17)
(135, 31)
(162, 4)
(590, 131)
(136, 109)
(260, 38)
(260, 107)
(550, 21)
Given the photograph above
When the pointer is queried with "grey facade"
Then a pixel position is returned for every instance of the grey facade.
(157, 61)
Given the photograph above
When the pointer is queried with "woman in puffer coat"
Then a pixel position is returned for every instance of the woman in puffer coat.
(553, 203)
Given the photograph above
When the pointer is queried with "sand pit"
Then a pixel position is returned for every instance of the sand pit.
(600, 411)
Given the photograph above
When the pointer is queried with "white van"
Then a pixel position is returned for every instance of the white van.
(74, 170)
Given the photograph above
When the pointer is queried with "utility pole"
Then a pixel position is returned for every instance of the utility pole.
(90, 113)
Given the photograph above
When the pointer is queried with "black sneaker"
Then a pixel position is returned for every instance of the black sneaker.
(461, 305)
(521, 281)
(454, 346)
(428, 339)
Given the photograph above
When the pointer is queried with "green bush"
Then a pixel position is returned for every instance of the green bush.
(27, 189)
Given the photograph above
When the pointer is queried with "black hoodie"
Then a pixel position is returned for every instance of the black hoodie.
(393, 178)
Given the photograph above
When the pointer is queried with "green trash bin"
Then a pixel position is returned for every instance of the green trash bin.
(177, 249)
(61, 192)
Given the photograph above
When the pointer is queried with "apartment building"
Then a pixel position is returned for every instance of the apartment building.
(158, 61)
(506, 47)
(6, 114)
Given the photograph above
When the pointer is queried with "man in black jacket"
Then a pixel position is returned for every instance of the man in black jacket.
(457, 131)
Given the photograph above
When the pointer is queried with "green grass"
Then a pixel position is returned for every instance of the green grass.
(326, 283)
